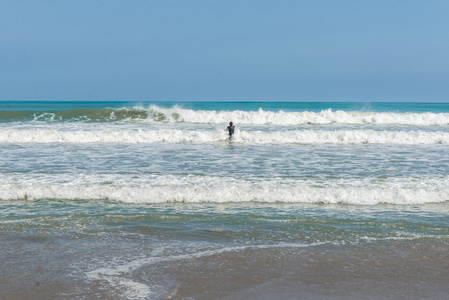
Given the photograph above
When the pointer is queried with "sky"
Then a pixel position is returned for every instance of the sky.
(178, 50)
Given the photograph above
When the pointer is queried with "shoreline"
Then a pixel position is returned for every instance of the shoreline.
(45, 268)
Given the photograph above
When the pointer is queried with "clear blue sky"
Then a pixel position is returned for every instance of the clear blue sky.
(315, 50)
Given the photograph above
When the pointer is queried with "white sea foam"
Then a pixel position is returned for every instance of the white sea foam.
(209, 189)
(262, 117)
(242, 137)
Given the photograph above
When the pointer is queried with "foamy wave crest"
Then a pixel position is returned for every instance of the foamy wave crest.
(177, 114)
(262, 117)
(109, 136)
(208, 189)
(240, 137)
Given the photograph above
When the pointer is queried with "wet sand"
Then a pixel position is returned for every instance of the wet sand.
(386, 272)
(39, 267)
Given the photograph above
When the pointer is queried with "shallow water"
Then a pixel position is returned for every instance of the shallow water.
(138, 200)
(223, 250)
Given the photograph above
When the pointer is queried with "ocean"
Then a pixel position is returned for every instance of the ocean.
(140, 200)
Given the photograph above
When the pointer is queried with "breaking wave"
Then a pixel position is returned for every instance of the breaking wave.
(209, 189)
(339, 137)
(260, 117)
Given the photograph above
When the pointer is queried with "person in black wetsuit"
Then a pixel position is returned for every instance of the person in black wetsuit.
(230, 129)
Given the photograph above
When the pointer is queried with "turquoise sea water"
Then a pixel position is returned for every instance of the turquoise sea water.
(218, 106)
(126, 199)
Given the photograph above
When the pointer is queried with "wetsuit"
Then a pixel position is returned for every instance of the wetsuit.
(231, 130)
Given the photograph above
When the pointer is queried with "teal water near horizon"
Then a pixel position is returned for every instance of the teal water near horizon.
(437, 107)
(121, 192)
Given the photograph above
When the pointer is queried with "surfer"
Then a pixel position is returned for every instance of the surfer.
(230, 129)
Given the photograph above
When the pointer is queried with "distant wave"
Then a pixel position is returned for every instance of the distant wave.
(240, 137)
(83, 115)
(259, 117)
(208, 189)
